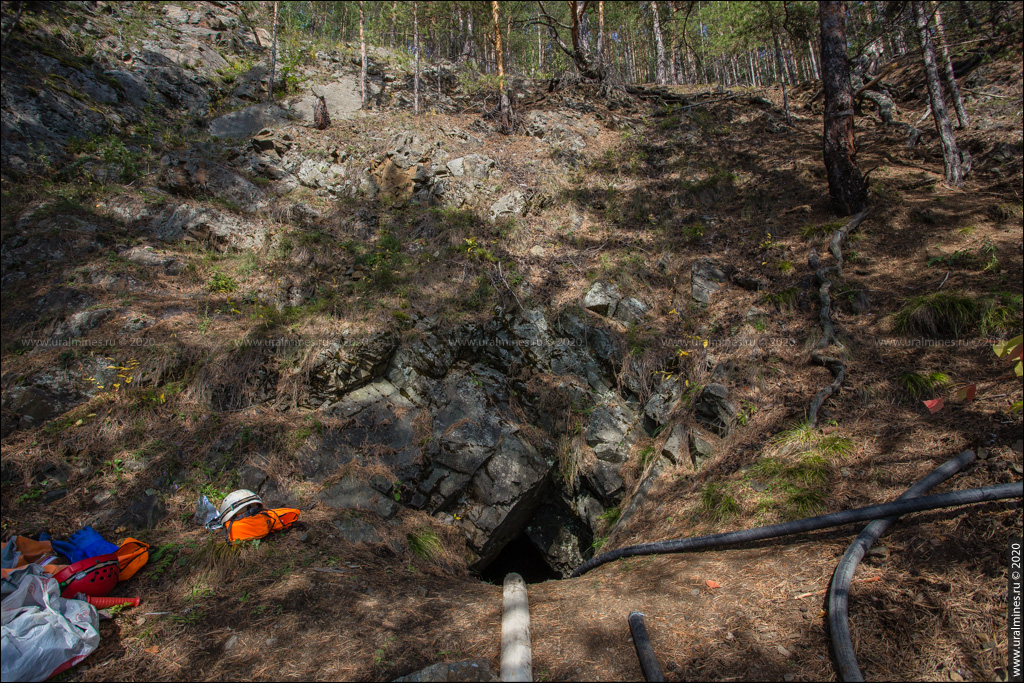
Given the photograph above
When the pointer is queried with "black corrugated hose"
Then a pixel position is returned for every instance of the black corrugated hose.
(644, 651)
(839, 590)
(864, 514)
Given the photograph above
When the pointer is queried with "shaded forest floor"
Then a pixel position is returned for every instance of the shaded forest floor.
(727, 181)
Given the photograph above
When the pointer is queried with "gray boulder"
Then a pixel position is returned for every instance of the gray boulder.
(77, 324)
(630, 310)
(355, 530)
(676, 446)
(714, 411)
(340, 367)
(702, 447)
(510, 205)
(603, 479)
(341, 97)
(610, 432)
(215, 229)
(560, 537)
(248, 121)
(353, 494)
(189, 175)
(705, 279)
(602, 298)
(469, 671)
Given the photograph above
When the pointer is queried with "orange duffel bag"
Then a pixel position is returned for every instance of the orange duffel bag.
(131, 557)
(260, 524)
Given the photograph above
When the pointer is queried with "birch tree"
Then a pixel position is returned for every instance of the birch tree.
(947, 70)
(950, 152)
(659, 46)
(362, 54)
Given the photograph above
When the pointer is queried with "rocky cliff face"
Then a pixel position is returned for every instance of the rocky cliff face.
(521, 423)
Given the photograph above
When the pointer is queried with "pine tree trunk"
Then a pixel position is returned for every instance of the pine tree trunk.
(467, 47)
(321, 119)
(600, 32)
(503, 103)
(660, 75)
(845, 184)
(947, 70)
(394, 23)
(789, 62)
(416, 51)
(540, 52)
(782, 70)
(950, 152)
(968, 15)
(362, 54)
(814, 63)
(273, 56)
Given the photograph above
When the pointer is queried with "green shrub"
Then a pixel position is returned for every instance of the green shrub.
(221, 283)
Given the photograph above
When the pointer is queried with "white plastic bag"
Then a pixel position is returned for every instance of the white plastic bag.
(207, 515)
(43, 633)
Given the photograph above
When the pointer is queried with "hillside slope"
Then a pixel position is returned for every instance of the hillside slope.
(462, 353)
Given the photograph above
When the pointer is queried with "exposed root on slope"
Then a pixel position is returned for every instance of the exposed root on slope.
(828, 332)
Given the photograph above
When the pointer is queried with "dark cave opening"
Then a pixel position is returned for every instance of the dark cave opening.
(520, 556)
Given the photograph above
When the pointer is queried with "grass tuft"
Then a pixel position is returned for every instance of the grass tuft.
(923, 386)
(717, 503)
(425, 543)
(784, 300)
(950, 314)
(812, 232)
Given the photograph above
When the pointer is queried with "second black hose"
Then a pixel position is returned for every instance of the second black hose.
(839, 590)
(894, 508)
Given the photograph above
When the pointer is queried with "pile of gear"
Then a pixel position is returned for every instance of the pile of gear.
(243, 517)
(52, 590)
(51, 593)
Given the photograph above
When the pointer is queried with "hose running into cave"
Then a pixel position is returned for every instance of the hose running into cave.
(644, 651)
(839, 590)
(895, 508)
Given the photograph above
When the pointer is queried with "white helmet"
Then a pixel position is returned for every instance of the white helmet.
(236, 501)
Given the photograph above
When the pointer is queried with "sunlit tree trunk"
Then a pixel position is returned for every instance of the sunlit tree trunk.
(273, 56)
(845, 183)
(467, 47)
(814, 63)
(950, 152)
(659, 44)
(362, 54)
(947, 70)
(600, 32)
(794, 78)
(503, 103)
(394, 23)
(540, 51)
(416, 52)
(782, 71)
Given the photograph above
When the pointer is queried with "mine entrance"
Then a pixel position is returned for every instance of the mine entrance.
(520, 556)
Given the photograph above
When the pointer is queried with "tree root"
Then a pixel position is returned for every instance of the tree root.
(828, 332)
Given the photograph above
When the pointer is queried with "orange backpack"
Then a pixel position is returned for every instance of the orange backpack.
(131, 557)
(260, 524)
